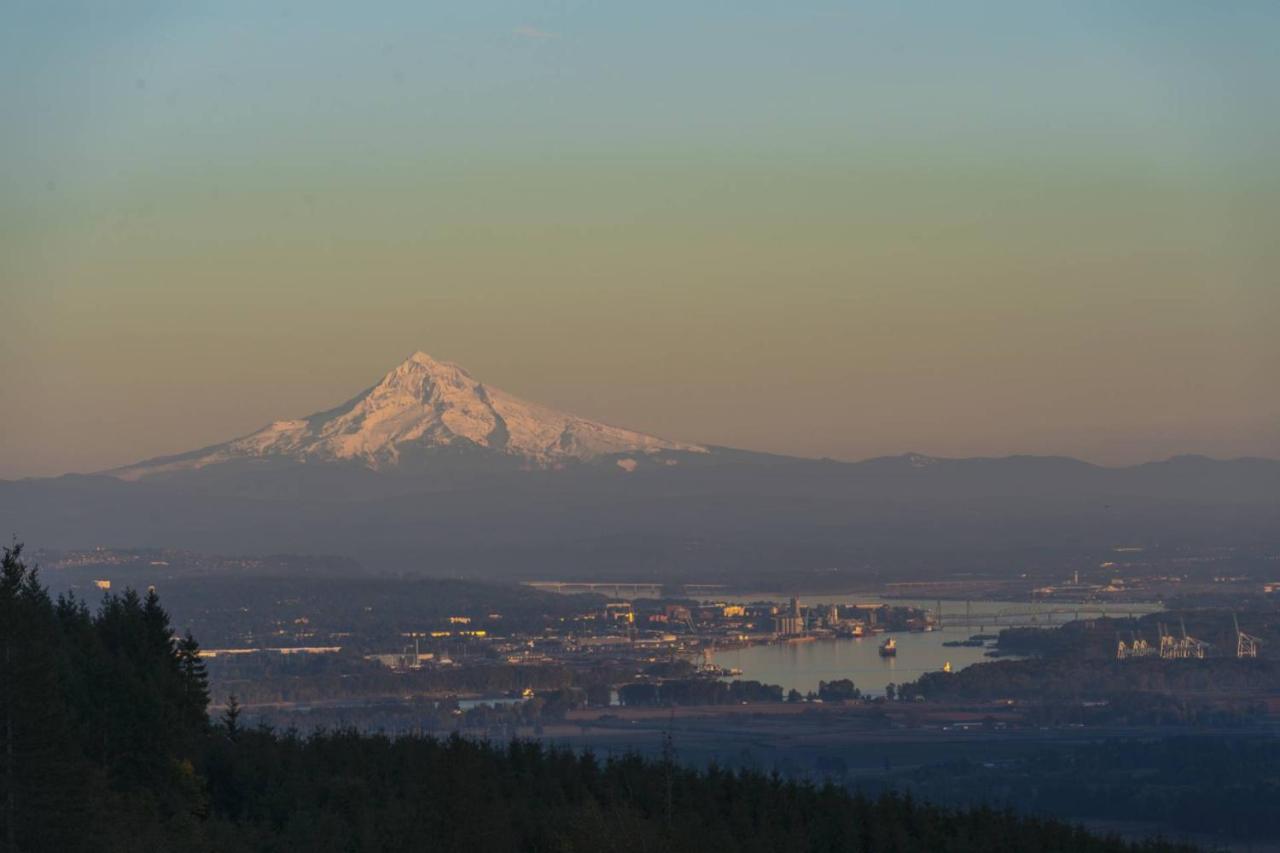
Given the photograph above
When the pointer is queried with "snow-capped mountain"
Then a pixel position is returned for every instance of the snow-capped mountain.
(431, 471)
(421, 405)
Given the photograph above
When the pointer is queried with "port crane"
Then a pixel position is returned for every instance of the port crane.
(1246, 645)
(1138, 647)
(1173, 648)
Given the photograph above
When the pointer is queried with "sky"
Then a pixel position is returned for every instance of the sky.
(823, 229)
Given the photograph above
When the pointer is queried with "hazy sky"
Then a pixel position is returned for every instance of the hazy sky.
(814, 228)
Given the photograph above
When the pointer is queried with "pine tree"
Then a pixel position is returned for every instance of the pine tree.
(42, 783)
(231, 718)
(10, 585)
(195, 683)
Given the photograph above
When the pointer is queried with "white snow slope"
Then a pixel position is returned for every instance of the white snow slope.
(423, 403)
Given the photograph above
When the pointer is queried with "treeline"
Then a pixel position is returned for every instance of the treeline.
(425, 715)
(350, 792)
(106, 747)
(697, 691)
(266, 677)
(1068, 678)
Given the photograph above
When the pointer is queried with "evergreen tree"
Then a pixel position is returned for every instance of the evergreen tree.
(231, 718)
(42, 787)
(195, 684)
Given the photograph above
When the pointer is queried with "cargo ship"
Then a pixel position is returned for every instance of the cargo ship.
(888, 648)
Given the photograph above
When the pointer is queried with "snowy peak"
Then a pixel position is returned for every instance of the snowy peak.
(420, 372)
(423, 404)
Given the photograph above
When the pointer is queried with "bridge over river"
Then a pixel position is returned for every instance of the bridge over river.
(632, 589)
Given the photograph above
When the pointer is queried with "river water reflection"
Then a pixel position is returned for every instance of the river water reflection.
(802, 665)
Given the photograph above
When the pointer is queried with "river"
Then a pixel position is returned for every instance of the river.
(802, 665)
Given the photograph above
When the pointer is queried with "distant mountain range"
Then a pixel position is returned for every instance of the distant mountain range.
(431, 471)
